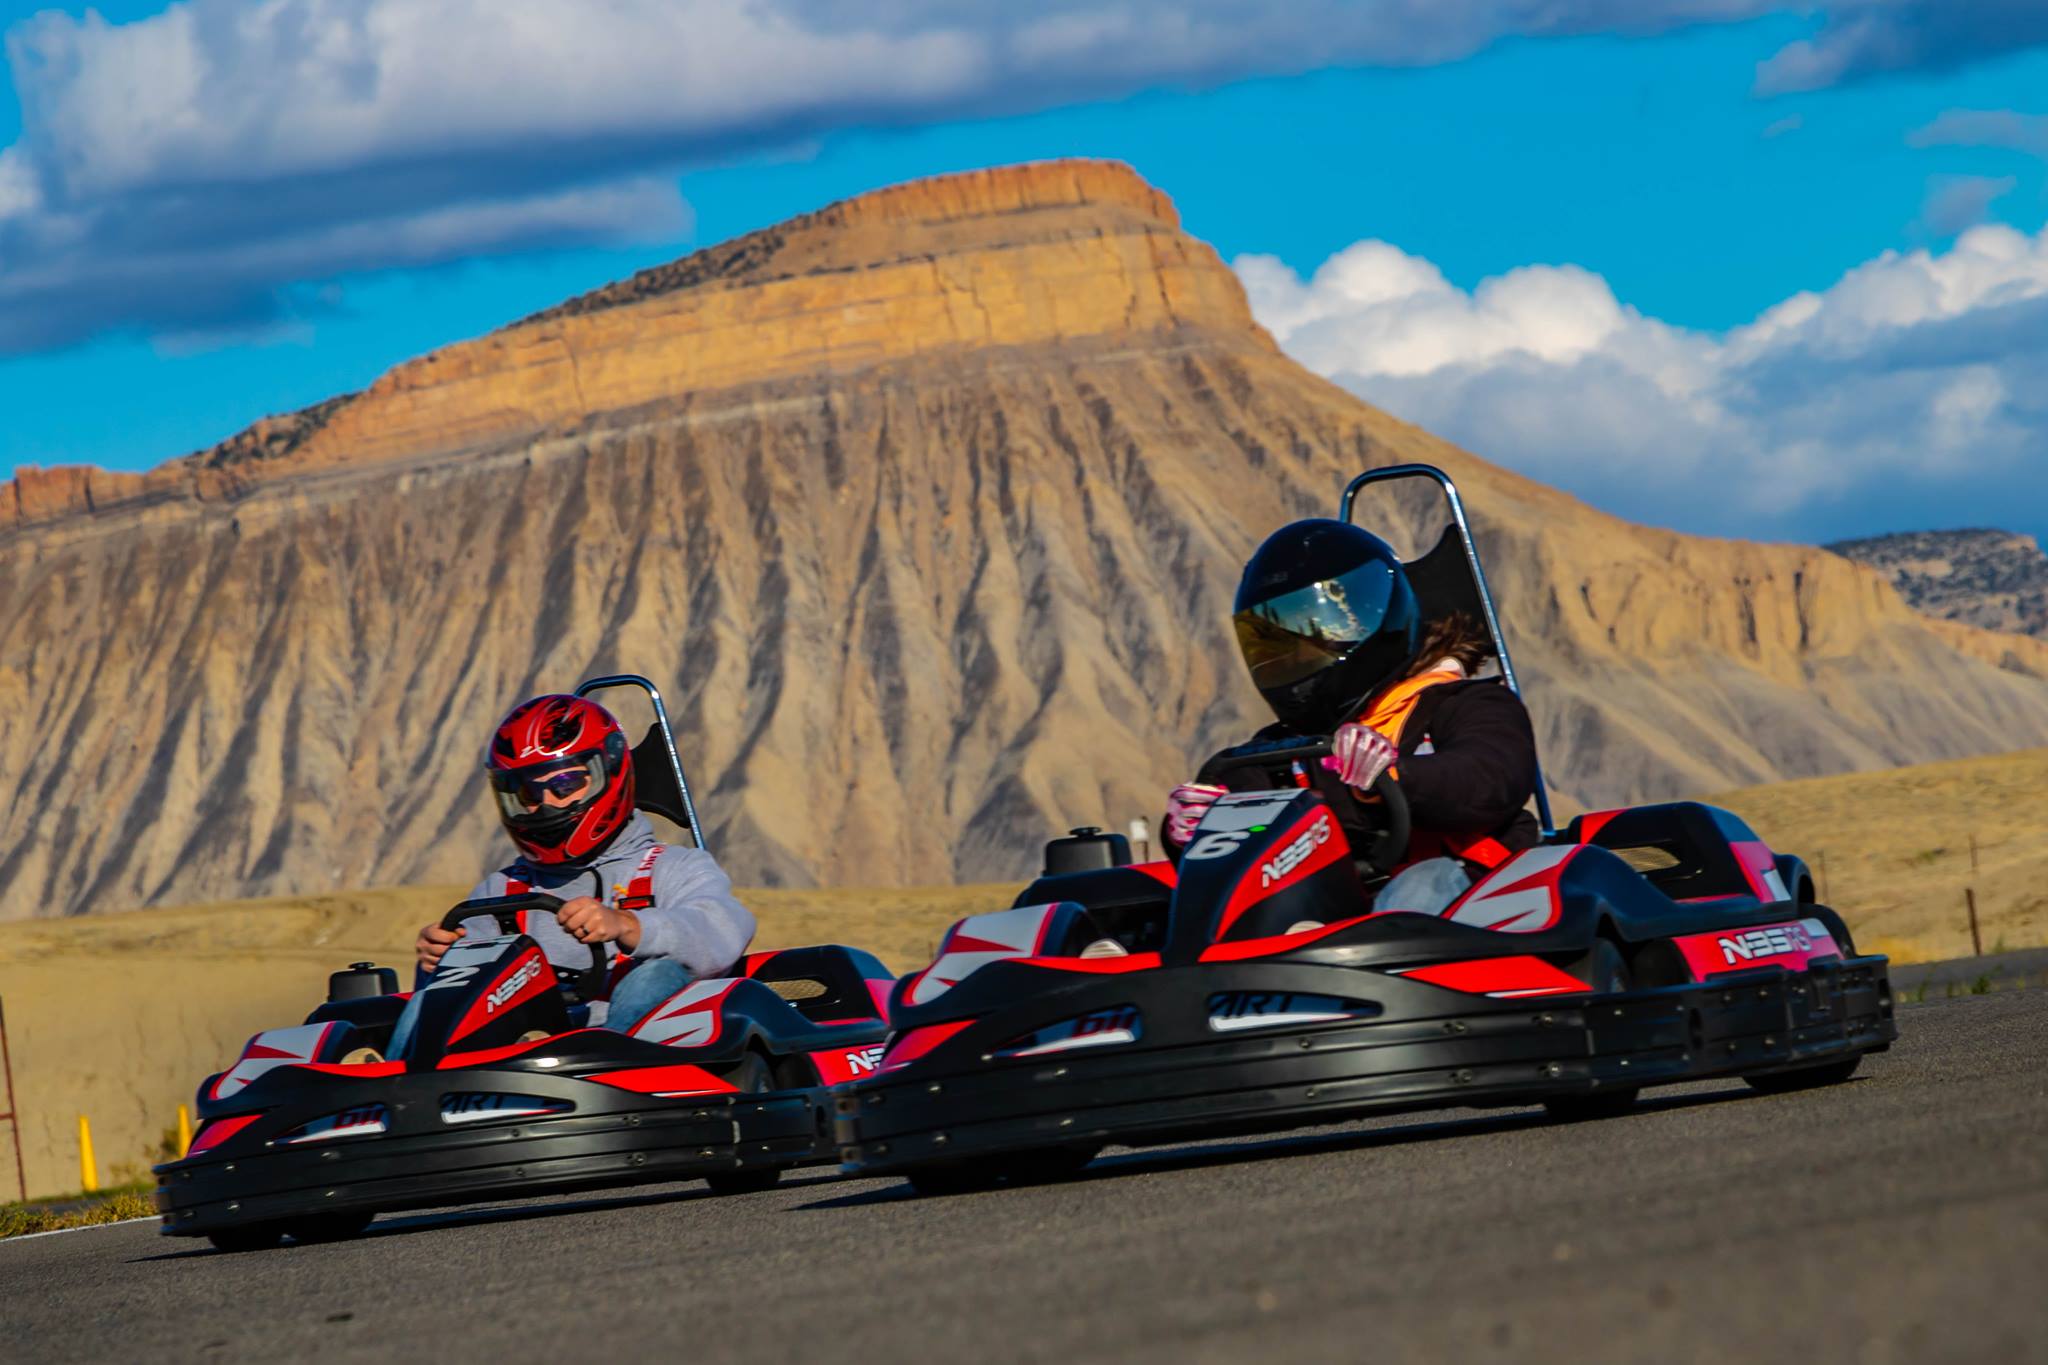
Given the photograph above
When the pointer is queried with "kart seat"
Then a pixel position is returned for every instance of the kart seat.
(821, 983)
(654, 781)
(1680, 847)
(1444, 585)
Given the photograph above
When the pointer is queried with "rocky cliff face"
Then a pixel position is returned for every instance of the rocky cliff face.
(928, 506)
(1993, 579)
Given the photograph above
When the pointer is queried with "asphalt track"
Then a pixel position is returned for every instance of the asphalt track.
(1903, 1216)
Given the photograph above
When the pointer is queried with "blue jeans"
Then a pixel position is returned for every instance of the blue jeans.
(636, 996)
(1427, 887)
(642, 989)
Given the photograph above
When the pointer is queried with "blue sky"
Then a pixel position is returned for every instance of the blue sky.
(1546, 239)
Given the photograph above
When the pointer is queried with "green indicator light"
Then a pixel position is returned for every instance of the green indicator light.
(1258, 829)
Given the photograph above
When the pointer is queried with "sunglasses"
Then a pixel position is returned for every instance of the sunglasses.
(554, 784)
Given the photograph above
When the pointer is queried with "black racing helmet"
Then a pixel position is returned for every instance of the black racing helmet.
(1325, 617)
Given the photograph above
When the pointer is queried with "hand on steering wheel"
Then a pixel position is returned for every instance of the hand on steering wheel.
(1359, 754)
(1280, 764)
(586, 984)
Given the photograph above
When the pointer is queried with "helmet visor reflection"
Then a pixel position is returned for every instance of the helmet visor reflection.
(522, 792)
(1289, 637)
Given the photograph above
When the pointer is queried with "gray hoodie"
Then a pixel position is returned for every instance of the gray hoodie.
(694, 919)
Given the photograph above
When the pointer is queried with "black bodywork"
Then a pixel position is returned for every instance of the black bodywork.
(575, 1109)
(1398, 1042)
(1251, 987)
(504, 1092)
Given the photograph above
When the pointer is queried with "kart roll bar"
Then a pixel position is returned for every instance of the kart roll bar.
(668, 740)
(1485, 594)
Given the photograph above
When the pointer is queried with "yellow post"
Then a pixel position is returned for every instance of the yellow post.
(88, 1169)
(184, 1130)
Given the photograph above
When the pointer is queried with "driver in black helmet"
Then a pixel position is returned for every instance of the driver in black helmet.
(1335, 642)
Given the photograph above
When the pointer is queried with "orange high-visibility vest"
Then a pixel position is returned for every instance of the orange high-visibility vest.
(1388, 712)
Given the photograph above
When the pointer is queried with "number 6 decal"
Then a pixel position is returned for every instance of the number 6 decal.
(1217, 845)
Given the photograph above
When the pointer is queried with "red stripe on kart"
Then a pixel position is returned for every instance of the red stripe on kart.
(1789, 944)
(499, 1054)
(217, 1131)
(1251, 887)
(540, 978)
(905, 1048)
(365, 1069)
(1593, 821)
(665, 1080)
(1163, 872)
(1281, 943)
(1499, 977)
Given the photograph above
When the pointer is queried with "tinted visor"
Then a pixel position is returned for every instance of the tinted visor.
(1289, 637)
(522, 792)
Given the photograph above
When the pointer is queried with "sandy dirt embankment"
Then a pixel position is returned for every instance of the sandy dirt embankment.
(120, 1016)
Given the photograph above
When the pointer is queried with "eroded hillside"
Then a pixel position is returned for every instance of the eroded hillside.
(928, 506)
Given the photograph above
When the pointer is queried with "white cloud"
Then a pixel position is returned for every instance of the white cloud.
(1911, 392)
(244, 131)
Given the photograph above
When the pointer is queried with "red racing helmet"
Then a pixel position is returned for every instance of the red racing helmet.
(562, 775)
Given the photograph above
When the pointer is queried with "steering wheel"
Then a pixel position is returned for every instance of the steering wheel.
(1383, 851)
(585, 985)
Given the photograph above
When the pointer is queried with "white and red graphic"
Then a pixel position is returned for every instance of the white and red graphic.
(366, 1120)
(1308, 847)
(476, 1106)
(1520, 896)
(1098, 1028)
(1760, 870)
(837, 1065)
(1499, 978)
(270, 1049)
(975, 942)
(527, 976)
(1235, 1011)
(691, 1017)
(1790, 944)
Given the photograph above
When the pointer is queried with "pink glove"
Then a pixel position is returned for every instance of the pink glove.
(1185, 807)
(1359, 754)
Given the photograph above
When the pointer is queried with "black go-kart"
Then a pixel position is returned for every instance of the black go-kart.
(503, 1093)
(1251, 987)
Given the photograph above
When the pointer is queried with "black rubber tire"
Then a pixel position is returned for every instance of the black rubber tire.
(1604, 966)
(1039, 1166)
(327, 1227)
(754, 1077)
(1806, 1077)
(249, 1237)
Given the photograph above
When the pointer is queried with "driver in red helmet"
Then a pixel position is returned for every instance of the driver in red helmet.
(561, 773)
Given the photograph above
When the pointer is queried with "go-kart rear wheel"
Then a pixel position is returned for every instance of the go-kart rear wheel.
(1040, 1166)
(752, 1078)
(1604, 968)
(1806, 1077)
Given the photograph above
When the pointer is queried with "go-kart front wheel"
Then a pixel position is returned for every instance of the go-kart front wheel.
(1042, 1166)
(1805, 1077)
(753, 1078)
(1604, 968)
(326, 1227)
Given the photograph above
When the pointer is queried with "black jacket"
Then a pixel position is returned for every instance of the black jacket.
(1467, 762)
